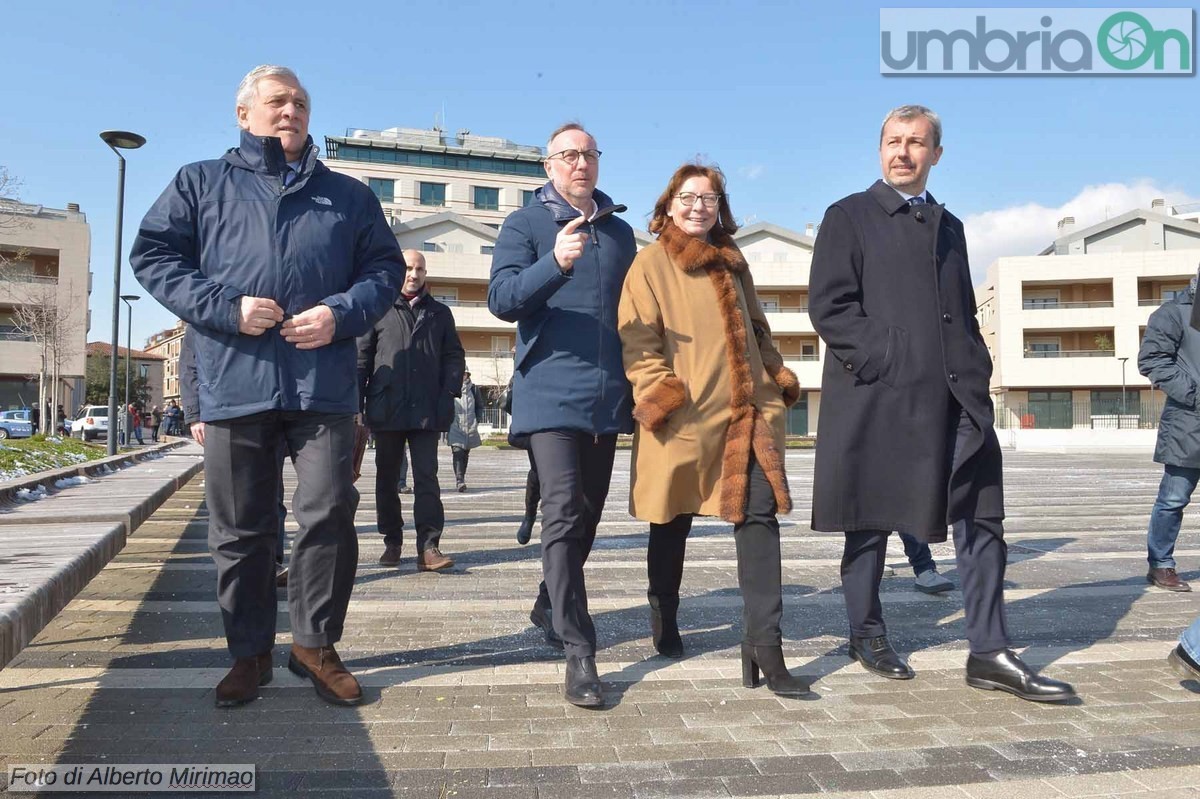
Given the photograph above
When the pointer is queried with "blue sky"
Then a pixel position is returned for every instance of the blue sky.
(786, 97)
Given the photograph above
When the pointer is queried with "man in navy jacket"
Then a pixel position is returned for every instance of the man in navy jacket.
(557, 271)
(278, 264)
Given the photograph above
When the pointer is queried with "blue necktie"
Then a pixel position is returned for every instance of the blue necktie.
(916, 201)
(289, 175)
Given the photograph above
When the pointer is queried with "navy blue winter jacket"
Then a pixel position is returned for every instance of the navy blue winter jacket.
(228, 228)
(568, 373)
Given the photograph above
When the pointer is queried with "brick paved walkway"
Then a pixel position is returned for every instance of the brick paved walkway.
(464, 699)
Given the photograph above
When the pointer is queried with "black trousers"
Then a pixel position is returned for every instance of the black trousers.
(760, 573)
(574, 469)
(428, 514)
(242, 480)
(980, 554)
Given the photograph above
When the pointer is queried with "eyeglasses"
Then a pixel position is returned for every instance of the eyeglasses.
(689, 199)
(572, 156)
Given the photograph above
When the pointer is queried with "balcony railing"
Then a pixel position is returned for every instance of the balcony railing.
(7, 276)
(1150, 302)
(463, 303)
(786, 309)
(1070, 353)
(1065, 415)
(1037, 305)
(805, 357)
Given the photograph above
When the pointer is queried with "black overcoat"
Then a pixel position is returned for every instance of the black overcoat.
(410, 367)
(891, 295)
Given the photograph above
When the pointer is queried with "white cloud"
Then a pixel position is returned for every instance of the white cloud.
(752, 171)
(1028, 229)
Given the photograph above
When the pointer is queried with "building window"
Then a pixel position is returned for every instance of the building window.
(492, 225)
(430, 246)
(769, 302)
(526, 197)
(433, 194)
(447, 295)
(385, 190)
(1110, 402)
(485, 198)
(486, 250)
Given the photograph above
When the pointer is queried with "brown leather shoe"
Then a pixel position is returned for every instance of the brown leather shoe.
(432, 560)
(281, 577)
(1167, 579)
(390, 556)
(324, 668)
(241, 684)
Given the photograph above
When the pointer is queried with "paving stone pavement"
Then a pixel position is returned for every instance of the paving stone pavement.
(465, 700)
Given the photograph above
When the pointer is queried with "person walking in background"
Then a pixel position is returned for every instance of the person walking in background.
(463, 435)
(135, 423)
(410, 369)
(710, 397)
(156, 418)
(557, 270)
(920, 558)
(275, 362)
(907, 427)
(1170, 358)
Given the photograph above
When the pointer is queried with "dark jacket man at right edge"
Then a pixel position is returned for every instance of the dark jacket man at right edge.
(905, 438)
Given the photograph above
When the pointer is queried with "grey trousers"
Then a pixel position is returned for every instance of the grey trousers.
(575, 469)
(241, 468)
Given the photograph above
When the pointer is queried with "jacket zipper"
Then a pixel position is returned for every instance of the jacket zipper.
(600, 331)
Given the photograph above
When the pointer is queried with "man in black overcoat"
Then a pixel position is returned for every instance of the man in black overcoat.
(905, 439)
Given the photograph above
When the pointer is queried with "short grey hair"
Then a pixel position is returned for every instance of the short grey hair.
(912, 112)
(563, 128)
(247, 91)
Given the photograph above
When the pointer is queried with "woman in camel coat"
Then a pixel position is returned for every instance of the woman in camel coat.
(710, 396)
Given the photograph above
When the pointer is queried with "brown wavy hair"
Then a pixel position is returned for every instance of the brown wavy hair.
(660, 215)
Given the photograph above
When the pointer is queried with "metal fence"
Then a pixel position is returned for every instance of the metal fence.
(1059, 415)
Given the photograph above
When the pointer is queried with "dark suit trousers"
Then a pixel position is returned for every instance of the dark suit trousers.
(428, 514)
(760, 572)
(574, 470)
(242, 478)
(980, 554)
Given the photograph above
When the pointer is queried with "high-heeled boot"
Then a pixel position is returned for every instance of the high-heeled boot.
(770, 660)
(664, 625)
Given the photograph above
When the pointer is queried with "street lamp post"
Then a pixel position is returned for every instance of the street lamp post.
(117, 140)
(1122, 360)
(126, 416)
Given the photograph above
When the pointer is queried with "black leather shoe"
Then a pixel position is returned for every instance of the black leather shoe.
(877, 656)
(1004, 671)
(525, 531)
(583, 682)
(540, 616)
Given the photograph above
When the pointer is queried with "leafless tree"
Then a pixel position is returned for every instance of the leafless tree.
(52, 326)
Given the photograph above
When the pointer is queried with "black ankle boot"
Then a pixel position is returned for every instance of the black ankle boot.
(664, 625)
(770, 660)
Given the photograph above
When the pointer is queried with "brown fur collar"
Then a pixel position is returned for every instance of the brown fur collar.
(747, 431)
(690, 253)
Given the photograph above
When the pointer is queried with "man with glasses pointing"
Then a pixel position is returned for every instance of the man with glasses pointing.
(557, 272)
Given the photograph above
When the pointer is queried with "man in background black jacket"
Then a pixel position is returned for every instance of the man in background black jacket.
(410, 369)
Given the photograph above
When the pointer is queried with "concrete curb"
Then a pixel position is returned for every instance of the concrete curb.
(36, 604)
(9, 488)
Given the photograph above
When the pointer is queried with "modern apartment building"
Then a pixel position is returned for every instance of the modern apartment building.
(44, 257)
(1064, 326)
(447, 195)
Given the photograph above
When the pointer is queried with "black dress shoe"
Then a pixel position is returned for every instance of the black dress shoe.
(1004, 671)
(877, 656)
(540, 616)
(583, 682)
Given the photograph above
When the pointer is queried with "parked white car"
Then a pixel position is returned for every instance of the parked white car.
(90, 422)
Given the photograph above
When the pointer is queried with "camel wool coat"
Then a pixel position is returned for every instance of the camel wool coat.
(709, 387)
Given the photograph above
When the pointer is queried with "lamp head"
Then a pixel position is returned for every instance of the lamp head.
(122, 139)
